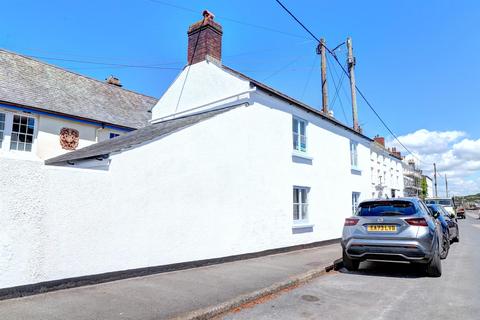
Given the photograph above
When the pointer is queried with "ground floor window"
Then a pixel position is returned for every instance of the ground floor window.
(300, 204)
(355, 201)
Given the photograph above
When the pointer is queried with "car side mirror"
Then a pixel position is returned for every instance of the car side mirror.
(452, 216)
(434, 213)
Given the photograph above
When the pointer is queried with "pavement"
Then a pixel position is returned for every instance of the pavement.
(387, 291)
(188, 294)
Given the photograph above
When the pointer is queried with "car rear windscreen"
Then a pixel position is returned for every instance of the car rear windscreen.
(443, 202)
(386, 208)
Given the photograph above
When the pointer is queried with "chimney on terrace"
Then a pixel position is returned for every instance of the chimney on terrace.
(379, 140)
(204, 39)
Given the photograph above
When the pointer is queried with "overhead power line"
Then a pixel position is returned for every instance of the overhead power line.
(348, 75)
(337, 89)
(283, 68)
(310, 72)
(248, 24)
(104, 63)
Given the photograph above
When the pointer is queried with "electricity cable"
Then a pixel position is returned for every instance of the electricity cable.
(229, 19)
(356, 87)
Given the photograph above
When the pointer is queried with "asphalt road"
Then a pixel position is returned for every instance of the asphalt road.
(388, 291)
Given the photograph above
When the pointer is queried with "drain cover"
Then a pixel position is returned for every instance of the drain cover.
(309, 298)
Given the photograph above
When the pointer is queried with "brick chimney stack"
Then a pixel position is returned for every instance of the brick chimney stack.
(204, 39)
(396, 153)
(380, 140)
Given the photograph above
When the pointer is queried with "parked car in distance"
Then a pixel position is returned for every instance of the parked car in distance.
(450, 221)
(447, 203)
(445, 231)
(460, 212)
(393, 230)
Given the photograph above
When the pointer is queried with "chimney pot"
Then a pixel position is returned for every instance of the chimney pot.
(113, 81)
(204, 39)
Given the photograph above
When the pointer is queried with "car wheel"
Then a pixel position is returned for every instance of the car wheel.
(445, 246)
(434, 267)
(350, 264)
(457, 237)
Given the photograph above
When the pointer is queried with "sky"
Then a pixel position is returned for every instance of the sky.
(416, 60)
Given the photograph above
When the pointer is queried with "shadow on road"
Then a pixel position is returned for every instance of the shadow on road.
(385, 269)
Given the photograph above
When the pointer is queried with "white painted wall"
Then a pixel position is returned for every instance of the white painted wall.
(48, 139)
(196, 86)
(171, 200)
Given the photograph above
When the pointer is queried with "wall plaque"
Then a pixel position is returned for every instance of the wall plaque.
(69, 138)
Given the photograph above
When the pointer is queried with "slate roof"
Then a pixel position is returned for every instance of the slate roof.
(38, 85)
(133, 138)
(293, 101)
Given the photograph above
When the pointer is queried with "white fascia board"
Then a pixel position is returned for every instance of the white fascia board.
(236, 99)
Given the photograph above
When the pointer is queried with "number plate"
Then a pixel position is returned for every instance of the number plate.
(381, 228)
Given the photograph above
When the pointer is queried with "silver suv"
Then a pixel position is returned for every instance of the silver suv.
(394, 230)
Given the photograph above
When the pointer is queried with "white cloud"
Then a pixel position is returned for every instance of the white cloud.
(455, 156)
(468, 149)
(430, 142)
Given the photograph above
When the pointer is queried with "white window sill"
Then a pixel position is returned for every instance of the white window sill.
(356, 170)
(302, 225)
(300, 154)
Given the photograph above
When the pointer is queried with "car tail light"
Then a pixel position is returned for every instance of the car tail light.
(350, 222)
(419, 222)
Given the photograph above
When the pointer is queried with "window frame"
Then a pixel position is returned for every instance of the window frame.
(297, 136)
(26, 129)
(354, 155)
(303, 214)
(5, 147)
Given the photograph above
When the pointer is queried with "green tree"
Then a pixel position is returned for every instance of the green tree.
(424, 186)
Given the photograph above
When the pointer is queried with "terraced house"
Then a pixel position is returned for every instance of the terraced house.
(46, 111)
(227, 166)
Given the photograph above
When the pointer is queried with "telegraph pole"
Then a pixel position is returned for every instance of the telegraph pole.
(435, 178)
(351, 71)
(446, 186)
(323, 55)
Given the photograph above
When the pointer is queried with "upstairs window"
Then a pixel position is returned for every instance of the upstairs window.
(299, 128)
(354, 154)
(300, 204)
(22, 133)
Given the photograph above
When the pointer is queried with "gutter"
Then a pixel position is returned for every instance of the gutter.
(24, 108)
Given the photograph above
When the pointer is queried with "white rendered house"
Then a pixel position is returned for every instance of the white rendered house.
(228, 166)
(386, 170)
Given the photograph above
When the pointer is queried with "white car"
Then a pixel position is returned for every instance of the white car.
(447, 203)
